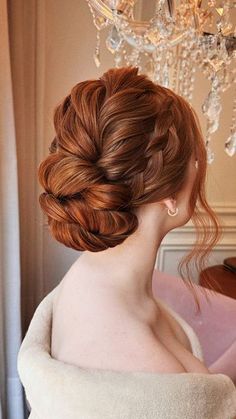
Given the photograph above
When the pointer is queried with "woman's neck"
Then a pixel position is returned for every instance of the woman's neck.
(128, 268)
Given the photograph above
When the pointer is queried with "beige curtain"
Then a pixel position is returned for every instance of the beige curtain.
(21, 134)
(11, 395)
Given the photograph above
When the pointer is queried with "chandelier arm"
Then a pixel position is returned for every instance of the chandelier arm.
(108, 12)
(102, 8)
(140, 27)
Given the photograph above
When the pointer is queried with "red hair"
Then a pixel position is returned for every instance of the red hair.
(122, 141)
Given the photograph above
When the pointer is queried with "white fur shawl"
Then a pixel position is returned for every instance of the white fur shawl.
(58, 390)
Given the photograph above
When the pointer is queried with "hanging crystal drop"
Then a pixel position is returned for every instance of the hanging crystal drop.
(210, 154)
(118, 58)
(230, 144)
(213, 125)
(96, 55)
(211, 106)
(113, 41)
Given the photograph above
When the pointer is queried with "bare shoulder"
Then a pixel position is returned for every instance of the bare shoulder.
(69, 293)
(67, 287)
(82, 316)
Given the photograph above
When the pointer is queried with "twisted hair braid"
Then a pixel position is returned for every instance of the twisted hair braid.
(88, 198)
(121, 141)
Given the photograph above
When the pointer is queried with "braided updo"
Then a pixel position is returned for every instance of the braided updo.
(121, 141)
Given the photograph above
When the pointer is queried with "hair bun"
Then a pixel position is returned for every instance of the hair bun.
(75, 224)
(121, 141)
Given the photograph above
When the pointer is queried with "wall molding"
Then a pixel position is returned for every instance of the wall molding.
(160, 264)
(181, 240)
(225, 211)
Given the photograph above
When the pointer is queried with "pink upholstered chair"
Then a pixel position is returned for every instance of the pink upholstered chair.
(215, 326)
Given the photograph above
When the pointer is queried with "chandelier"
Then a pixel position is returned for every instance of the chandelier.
(180, 38)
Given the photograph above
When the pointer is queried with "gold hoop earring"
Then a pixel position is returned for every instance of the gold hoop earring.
(173, 214)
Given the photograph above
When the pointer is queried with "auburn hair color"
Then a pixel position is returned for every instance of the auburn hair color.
(122, 141)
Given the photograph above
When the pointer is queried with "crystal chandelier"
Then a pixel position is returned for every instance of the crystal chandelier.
(180, 38)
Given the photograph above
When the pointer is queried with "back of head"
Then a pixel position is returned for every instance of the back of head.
(121, 141)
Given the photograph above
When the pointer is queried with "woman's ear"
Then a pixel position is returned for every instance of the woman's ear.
(170, 204)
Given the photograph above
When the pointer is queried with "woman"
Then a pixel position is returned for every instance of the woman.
(127, 166)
